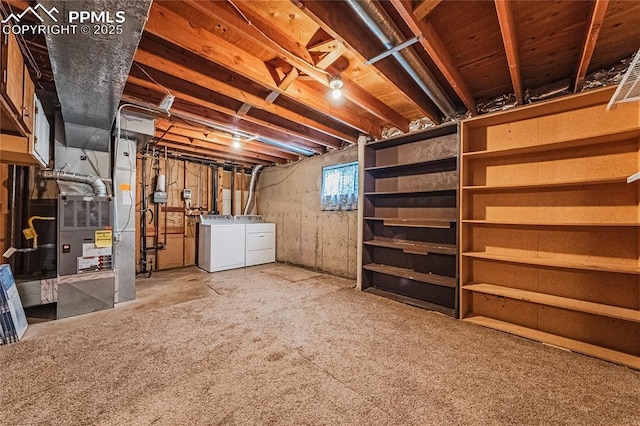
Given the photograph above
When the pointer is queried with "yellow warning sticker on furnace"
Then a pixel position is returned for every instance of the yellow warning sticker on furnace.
(104, 238)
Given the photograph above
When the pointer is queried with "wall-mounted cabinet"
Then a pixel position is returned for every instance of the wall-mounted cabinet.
(21, 141)
(550, 231)
(409, 228)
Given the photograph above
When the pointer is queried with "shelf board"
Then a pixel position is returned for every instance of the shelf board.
(557, 301)
(508, 223)
(582, 182)
(562, 342)
(411, 275)
(419, 248)
(414, 223)
(432, 193)
(434, 132)
(445, 164)
(574, 143)
(411, 301)
(555, 263)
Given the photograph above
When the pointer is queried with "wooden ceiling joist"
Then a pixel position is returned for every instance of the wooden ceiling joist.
(137, 94)
(508, 31)
(424, 8)
(596, 17)
(293, 129)
(201, 152)
(330, 57)
(179, 31)
(216, 148)
(223, 139)
(436, 50)
(359, 42)
(276, 43)
(182, 71)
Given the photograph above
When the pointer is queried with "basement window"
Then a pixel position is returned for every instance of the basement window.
(340, 187)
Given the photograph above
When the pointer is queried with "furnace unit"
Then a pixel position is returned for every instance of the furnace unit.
(84, 234)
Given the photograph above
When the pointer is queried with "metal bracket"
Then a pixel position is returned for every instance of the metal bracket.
(633, 177)
(394, 50)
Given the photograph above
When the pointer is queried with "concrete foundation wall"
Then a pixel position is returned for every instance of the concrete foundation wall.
(289, 195)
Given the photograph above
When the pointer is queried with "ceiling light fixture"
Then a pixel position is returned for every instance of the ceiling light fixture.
(335, 83)
(235, 142)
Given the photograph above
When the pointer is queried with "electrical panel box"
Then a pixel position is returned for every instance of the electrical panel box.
(85, 234)
(186, 194)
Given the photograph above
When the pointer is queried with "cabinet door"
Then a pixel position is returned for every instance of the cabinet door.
(28, 99)
(12, 72)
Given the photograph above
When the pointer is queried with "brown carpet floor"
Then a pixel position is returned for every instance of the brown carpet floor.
(282, 345)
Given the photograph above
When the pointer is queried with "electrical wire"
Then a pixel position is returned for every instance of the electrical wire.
(152, 79)
(294, 166)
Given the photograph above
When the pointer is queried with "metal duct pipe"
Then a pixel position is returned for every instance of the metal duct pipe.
(252, 185)
(90, 71)
(97, 183)
(377, 20)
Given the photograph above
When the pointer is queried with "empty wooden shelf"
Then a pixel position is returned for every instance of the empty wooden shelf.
(409, 274)
(550, 235)
(409, 250)
(415, 247)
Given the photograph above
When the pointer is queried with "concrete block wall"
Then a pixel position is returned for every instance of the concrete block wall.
(289, 195)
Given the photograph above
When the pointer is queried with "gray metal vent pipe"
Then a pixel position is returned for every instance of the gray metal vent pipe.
(97, 183)
(377, 20)
(254, 179)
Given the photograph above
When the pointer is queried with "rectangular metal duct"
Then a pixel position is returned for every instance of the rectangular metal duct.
(91, 63)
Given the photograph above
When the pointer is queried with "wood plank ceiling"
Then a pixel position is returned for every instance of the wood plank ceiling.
(261, 69)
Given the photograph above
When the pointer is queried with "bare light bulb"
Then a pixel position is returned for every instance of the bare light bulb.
(335, 83)
(236, 142)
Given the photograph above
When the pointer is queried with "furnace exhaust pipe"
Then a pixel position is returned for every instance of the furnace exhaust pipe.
(97, 183)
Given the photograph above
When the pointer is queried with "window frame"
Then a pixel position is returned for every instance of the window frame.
(351, 205)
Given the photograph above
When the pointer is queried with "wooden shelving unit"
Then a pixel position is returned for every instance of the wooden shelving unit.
(410, 191)
(550, 237)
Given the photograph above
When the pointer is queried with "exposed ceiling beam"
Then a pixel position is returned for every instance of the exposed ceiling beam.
(331, 57)
(270, 33)
(325, 46)
(182, 70)
(596, 17)
(337, 24)
(203, 152)
(275, 42)
(216, 148)
(424, 8)
(135, 94)
(179, 91)
(435, 48)
(220, 138)
(174, 28)
(508, 31)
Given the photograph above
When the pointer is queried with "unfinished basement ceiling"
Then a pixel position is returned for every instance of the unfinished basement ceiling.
(261, 68)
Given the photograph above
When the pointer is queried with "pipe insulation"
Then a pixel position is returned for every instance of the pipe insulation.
(97, 183)
(379, 22)
(252, 185)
